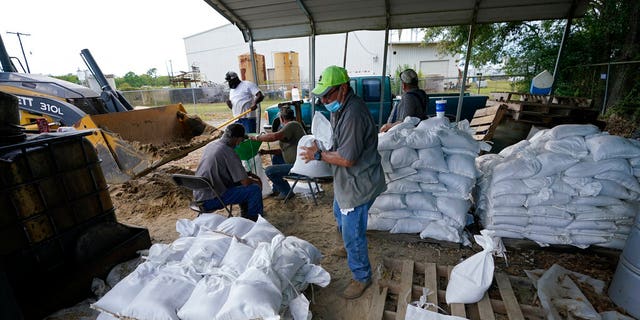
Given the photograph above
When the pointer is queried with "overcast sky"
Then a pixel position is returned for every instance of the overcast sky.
(123, 36)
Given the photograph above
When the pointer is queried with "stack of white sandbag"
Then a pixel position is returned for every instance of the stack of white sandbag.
(571, 184)
(220, 268)
(430, 172)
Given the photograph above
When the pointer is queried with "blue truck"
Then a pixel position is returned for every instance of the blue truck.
(370, 88)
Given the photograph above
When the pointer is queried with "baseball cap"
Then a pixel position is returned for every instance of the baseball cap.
(409, 76)
(230, 75)
(235, 130)
(331, 77)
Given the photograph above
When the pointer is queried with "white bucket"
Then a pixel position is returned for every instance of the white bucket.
(623, 290)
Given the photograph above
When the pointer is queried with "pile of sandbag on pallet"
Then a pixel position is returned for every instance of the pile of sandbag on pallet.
(220, 268)
(430, 172)
(571, 185)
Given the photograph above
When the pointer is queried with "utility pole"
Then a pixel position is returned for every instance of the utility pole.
(22, 48)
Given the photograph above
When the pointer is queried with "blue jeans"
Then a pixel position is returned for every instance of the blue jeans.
(249, 124)
(354, 234)
(250, 195)
(276, 173)
(277, 159)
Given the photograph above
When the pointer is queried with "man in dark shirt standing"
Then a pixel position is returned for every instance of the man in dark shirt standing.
(222, 167)
(357, 171)
(412, 104)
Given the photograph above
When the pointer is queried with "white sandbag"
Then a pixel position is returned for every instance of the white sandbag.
(421, 139)
(400, 173)
(455, 209)
(626, 180)
(433, 123)
(409, 225)
(161, 298)
(321, 130)
(547, 197)
(403, 157)
(205, 221)
(313, 168)
(121, 295)
(514, 149)
(389, 201)
(560, 186)
(553, 163)
(235, 226)
(486, 162)
(262, 231)
(586, 213)
(609, 226)
(456, 139)
(457, 186)
(507, 211)
(427, 214)
(395, 214)
(254, 295)
(599, 201)
(385, 160)
(568, 130)
(207, 250)
(121, 271)
(439, 230)
(609, 146)
(416, 313)
(519, 167)
(420, 201)
(237, 256)
(521, 221)
(208, 296)
(432, 187)
(509, 186)
(390, 140)
(160, 253)
(471, 278)
(516, 200)
(310, 253)
(616, 190)
(538, 183)
(635, 161)
(379, 222)
(574, 146)
(585, 186)
(591, 168)
(403, 186)
(462, 165)
(625, 209)
(431, 158)
(254, 166)
(550, 222)
(424, 176)
(550, 211)
(459, 151)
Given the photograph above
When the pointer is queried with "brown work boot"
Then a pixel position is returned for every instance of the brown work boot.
(355, 289)
(339, 251)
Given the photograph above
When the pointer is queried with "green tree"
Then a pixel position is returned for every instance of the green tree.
(609, 31)
(69, 77)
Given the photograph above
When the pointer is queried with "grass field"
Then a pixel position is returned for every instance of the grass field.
(216, 111)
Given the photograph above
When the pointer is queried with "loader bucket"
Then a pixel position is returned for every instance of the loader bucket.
(133, 143)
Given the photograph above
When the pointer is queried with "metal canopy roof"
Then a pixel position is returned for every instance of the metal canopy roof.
(273, 19)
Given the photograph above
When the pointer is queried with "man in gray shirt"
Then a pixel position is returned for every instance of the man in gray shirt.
(357, 172)
(412, 104)
(222, 167)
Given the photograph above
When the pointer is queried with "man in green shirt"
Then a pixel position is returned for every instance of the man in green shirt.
(288, 136)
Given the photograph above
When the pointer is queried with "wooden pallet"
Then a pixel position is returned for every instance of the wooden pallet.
(402, 281)
(486, 120)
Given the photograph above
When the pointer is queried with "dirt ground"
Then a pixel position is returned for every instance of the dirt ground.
(154, 202)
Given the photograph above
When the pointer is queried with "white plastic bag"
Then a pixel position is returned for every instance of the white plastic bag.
(471, 278)
(255, 165)
(312, 168)
(321, 129)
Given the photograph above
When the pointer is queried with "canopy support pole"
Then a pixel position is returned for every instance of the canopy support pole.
(565, 36)
(467, 58)
(346, 43)
(256, 78)
(384, 64)
(312, 55)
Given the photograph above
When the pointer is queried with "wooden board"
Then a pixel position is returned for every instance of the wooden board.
(500, 302)
(486, 120)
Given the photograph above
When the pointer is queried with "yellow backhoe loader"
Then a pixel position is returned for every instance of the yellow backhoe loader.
(130, 143)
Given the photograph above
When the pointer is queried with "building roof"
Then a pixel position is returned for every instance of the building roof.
(274, 19)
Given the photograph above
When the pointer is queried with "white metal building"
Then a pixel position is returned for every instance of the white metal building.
(216, 51)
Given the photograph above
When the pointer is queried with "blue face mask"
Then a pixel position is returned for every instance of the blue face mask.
(333, 106)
